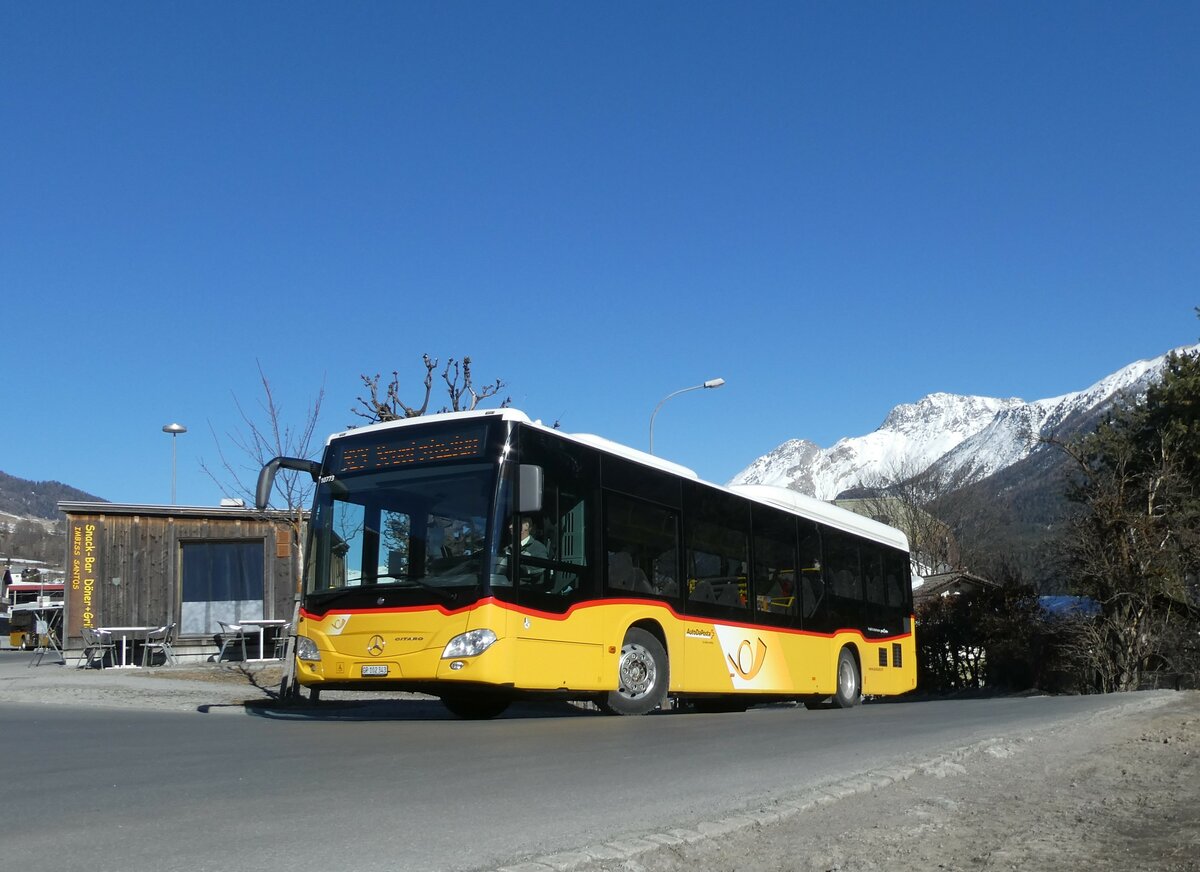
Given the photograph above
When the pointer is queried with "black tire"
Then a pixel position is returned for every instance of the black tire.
(642, 676)
(476, 708)
(816, 703)
(849, 681)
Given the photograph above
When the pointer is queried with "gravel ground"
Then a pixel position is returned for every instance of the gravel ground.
(208, 687)
(177, 688)
(1117, 792)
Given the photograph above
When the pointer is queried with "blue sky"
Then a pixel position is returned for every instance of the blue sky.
(835, 207)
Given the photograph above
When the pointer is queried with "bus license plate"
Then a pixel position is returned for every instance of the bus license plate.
(376, 669)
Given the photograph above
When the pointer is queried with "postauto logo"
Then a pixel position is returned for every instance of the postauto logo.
(747, 659)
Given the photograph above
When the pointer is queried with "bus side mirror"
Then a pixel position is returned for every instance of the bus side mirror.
(531, 488)
(266, 476)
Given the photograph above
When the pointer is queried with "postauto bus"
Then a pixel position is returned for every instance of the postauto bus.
(482, 557)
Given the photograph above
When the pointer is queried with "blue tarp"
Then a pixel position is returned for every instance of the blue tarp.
(1069, 605)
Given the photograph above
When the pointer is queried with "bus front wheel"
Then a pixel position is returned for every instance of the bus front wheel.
(641, 676)
(849, 684)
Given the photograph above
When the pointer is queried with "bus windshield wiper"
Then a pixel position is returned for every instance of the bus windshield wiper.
(328, 597)
(424, 585)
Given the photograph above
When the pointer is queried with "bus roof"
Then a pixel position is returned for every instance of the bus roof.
(825, 513)
(777, 497)
(504, 414)
(34, 585)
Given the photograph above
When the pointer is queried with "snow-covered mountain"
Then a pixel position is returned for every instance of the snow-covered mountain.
(966, 439)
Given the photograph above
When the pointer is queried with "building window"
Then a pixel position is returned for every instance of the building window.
(222, 581)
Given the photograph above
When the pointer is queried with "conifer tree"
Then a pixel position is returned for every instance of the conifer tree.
(1134, 546)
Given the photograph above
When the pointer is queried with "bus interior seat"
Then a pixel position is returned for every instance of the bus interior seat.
(721, 591)
(623, 575)
(728, 593)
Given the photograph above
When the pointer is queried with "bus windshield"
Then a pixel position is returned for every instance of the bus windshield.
(407, 536)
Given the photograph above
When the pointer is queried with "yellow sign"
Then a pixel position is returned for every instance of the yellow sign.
(82, 590)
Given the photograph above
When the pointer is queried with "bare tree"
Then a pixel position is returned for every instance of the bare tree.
(1134, 544)
(1119, 549)
(460, 388)
(260, 438)
(902, 496)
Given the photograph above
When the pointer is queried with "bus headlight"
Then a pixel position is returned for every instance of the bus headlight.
(306, 649)
(469, 644)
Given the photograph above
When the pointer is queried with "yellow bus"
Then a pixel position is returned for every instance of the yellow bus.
(26, 600)
(482, 558)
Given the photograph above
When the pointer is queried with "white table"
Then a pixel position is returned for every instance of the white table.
(125, 633)
(262, 625)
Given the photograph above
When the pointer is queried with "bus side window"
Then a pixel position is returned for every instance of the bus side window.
(666, 570)
(558, 572)
(872, 574)
(552, 550)
(896, 579)
(642, 547)
(717, 551)
(776, 566)
(843, 577)
(812, 587)
(624, 575)
(566, 543)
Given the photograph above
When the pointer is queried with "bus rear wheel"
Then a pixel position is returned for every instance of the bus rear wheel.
(641, 676)
(475, 708)
(849, 683)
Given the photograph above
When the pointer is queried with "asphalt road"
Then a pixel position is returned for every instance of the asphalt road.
(400, 786)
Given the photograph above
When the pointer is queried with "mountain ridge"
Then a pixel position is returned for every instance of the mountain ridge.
(24, 498)
(965, 439)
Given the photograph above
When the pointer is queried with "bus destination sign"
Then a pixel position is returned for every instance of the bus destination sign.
(465, 444)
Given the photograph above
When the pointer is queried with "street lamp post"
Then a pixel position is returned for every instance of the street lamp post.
(174, 430)
(711, 383)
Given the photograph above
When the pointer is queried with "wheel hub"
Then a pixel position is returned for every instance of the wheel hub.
(849, 685)
(636, 671)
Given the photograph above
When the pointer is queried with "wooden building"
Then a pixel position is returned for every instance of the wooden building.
(957, 583)
(147, 565)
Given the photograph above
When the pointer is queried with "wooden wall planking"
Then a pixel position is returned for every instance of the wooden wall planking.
(143, 551)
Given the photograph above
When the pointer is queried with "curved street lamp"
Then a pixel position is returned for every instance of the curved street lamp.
(711, 383)
(174, 430)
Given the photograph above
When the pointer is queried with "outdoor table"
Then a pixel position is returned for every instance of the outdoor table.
(125, 633)
(263, 625)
